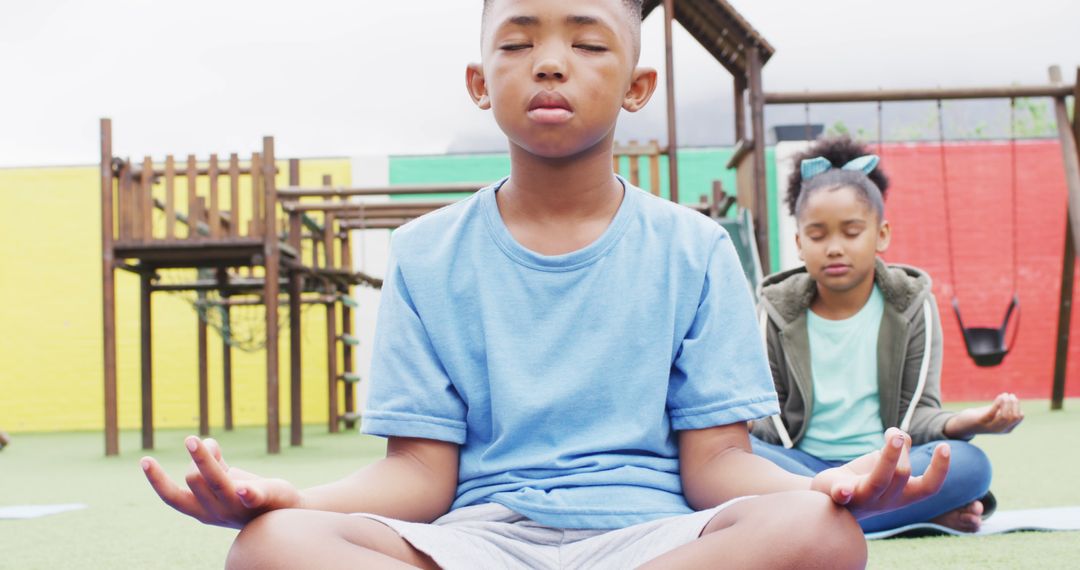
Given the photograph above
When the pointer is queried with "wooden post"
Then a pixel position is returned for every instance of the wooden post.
(654, 167)
(635, 164)
(192, 204)
(255, 227)
(146, 201)
(108, 291)
(170, 197)
(234, 195)
(1068, 134)
(226, 363)
(669, 62)
(757, 126)
(740, 108)
(331, 364)
(1061, 351)
(204, 374)
(146, 359)
(214, 216)
(270, 295)
(296, 421)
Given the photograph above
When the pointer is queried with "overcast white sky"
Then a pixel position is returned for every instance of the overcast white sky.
(351, 77)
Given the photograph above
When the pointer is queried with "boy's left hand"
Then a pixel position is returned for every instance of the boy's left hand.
(881, 481)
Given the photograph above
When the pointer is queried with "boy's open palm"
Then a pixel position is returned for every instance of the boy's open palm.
(881, 481)
(218, 494)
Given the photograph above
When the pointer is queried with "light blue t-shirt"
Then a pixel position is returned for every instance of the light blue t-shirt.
(846, 419)
(564, 377)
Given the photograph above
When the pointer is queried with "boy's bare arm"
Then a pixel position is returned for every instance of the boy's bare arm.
(717, 465)
(417, 480)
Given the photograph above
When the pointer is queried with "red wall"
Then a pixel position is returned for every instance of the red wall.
(979, 176)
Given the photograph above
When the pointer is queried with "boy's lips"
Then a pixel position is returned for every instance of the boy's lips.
(549, 107)
(835, 269)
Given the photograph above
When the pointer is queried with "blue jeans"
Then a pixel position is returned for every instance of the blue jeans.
(968, 479)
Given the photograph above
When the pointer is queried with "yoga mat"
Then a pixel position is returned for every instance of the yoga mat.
(1054, 518)
(34, 511)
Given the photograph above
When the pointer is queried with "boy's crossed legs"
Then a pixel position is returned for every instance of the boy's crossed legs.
(802, 529)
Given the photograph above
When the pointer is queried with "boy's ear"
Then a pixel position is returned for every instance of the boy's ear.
(798, 247)
(884, 236)
(642, 86)
(477, 86)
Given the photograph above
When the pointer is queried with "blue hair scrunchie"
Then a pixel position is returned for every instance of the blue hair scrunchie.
(812, 167)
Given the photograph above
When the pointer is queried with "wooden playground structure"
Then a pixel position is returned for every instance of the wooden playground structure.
(243, 249)
(235, 239)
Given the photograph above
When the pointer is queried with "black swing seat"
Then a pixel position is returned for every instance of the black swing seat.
(987, 346)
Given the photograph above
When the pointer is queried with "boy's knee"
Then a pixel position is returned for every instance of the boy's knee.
(261, 539)
(804, 526)
(827, 533)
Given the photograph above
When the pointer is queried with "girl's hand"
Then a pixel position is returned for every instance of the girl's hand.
(218, 494)
(1001, 416)
(881, 481)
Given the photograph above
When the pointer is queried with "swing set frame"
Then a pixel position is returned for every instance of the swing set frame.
(1068, 135)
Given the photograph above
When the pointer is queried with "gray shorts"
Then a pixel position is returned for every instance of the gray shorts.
(492, 536)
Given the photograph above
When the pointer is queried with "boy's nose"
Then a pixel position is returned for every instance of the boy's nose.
(550, 68)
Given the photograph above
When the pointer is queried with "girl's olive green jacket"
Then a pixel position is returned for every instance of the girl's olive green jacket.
(908, 354)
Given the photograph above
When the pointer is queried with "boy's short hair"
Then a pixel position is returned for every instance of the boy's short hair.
(633, 6)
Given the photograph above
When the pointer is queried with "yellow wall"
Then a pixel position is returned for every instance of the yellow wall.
(50, 320)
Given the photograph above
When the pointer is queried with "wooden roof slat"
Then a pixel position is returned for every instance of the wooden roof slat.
(720, 29)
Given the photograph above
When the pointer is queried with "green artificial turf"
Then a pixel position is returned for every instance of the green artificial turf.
(126, 526)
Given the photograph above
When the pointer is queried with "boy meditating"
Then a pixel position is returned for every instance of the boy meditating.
(564, 365)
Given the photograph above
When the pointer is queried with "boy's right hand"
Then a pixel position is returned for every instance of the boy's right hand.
(881, 481)
(218, 494)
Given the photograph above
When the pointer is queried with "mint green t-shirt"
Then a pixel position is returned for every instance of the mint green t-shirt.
(846, 420)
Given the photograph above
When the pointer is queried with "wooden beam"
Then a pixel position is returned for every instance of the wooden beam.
(931, 94)
(108, 291)
(293, 192)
